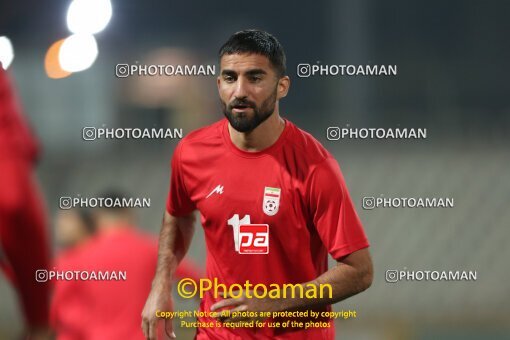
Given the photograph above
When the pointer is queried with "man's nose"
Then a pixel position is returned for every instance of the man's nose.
(241, 90)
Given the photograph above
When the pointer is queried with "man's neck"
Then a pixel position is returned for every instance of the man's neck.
(262, 137)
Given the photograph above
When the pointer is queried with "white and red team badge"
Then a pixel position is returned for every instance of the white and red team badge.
(271, 201)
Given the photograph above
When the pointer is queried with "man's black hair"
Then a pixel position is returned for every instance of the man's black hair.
(114, 195)
(258, 42)
(86, 217)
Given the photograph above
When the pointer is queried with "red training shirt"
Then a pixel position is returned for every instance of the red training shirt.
(293, 190)
(108, 310)
(24, 246)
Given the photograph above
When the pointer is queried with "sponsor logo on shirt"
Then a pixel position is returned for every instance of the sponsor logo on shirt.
(254, 239)
(249, 238)
(271, 201)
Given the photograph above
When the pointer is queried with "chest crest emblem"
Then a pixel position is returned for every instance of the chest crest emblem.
(271, 201)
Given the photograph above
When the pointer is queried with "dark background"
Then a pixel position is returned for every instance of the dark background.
(452, 60)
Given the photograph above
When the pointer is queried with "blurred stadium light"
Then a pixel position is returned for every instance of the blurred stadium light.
(78, 52)
(6, 52)
(88, 16)
(52, 63)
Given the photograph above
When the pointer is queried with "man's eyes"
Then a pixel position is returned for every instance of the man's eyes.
(254, 79)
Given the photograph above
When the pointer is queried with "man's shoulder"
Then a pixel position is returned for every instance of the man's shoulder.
(306, 144)
(204, 134)
(125, 242)
(76, 256)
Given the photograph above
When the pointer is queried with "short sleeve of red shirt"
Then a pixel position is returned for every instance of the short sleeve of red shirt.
(337, 223)
(178, 202)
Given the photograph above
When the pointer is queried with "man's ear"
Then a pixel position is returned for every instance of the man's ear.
(283, 87)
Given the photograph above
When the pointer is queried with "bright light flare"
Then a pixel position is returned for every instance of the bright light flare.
(88, 16)
(52, 62)
(6, 52)
(78, 52)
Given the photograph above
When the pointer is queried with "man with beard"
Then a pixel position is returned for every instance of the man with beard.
(273, 204)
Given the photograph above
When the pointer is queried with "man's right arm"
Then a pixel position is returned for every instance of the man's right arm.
(174, 241)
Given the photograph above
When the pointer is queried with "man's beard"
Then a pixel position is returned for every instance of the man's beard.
(241, 122)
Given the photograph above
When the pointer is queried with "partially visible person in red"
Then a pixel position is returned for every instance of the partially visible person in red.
(73, 229)
(104, 309)
(23, 237)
